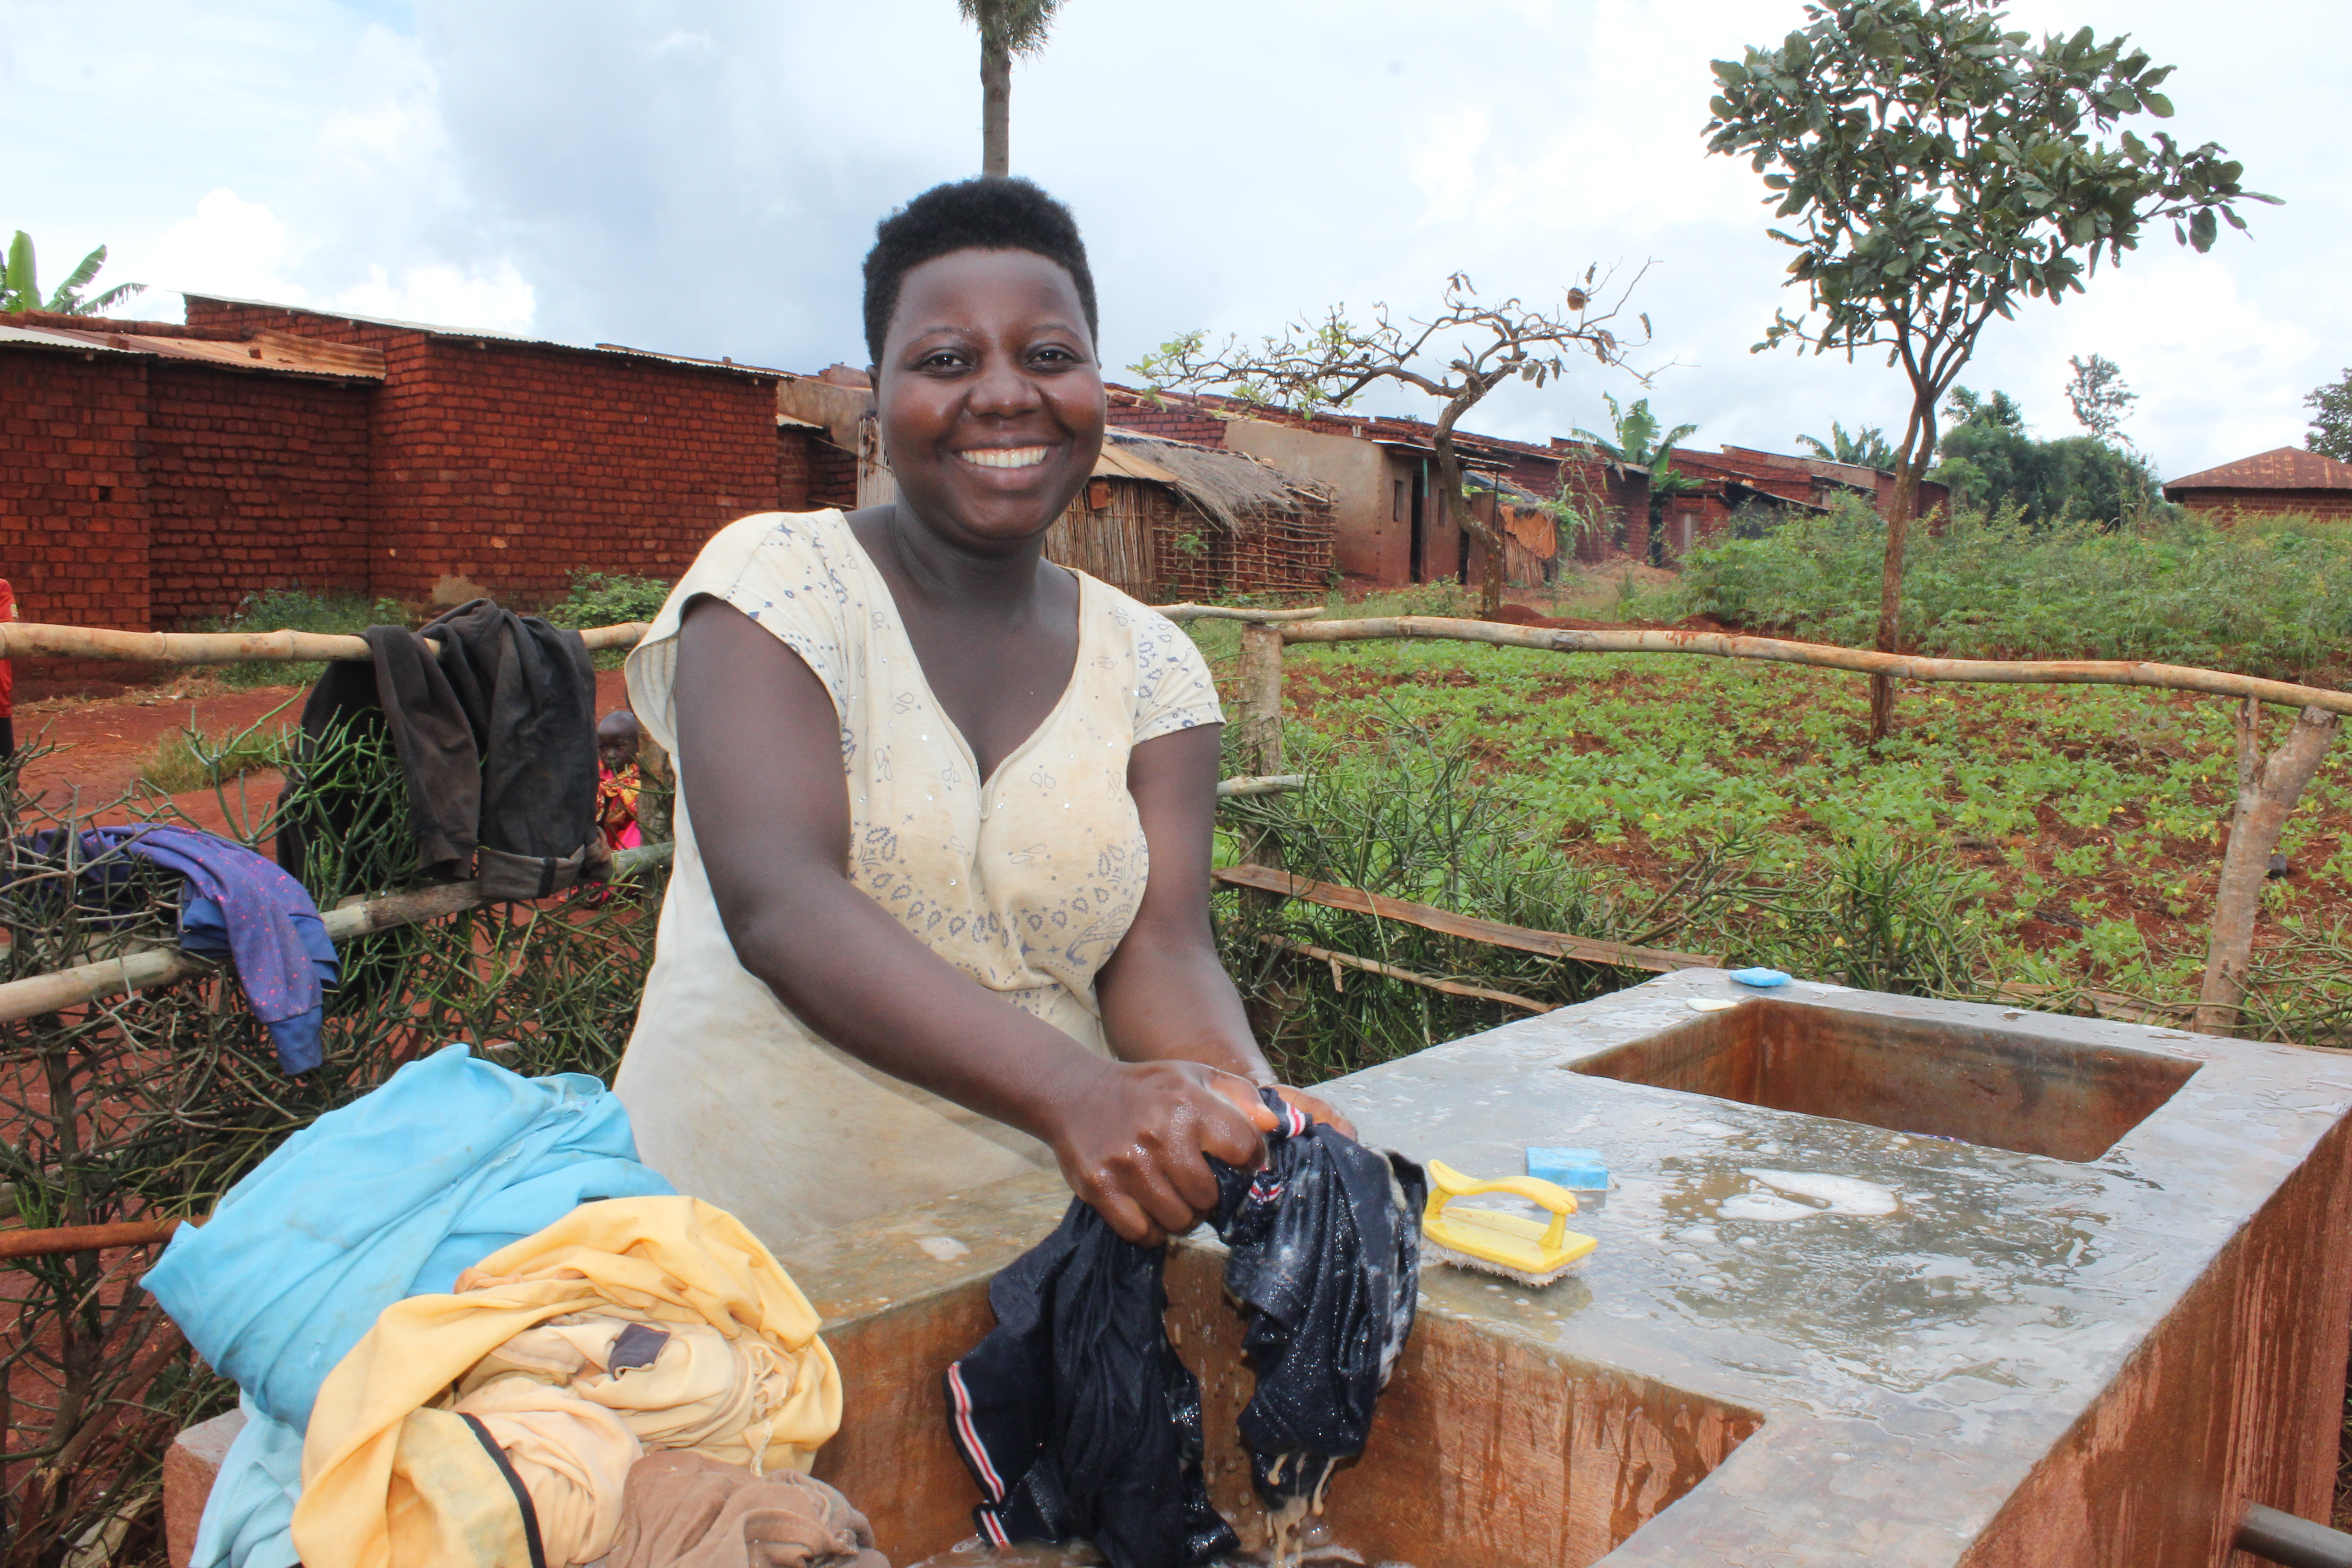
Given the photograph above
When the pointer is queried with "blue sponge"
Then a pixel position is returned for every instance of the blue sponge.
(1579, 1169)
(1759, 978)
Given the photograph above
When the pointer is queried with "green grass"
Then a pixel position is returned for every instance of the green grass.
(2062, 836)
(2273, 598)
(194, 760)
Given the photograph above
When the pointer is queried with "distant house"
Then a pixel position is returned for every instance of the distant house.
(1172, 521)
(1774, 482)
(1163, 519)
(1387, 527)
(2270, 484)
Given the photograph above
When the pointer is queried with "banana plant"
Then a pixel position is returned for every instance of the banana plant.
(1638, 442)
(20, 288)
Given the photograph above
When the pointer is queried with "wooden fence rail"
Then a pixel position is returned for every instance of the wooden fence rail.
(151, 967)
(36, 639)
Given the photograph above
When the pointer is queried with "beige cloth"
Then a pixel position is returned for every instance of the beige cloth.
(688, 1511)
(573, 1457)
(391, 1478)
(571, 1427)
(1026, 882)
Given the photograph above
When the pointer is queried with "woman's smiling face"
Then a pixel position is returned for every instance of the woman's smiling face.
(991, 402)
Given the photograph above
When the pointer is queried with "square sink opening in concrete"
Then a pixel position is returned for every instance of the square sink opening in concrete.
(2005, 1089)
(1484, 1450)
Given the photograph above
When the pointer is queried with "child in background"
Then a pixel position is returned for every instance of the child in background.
(616, 779)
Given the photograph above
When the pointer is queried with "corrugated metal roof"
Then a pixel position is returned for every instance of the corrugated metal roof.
(264, 351)
(2285, 469)
(1124, 460)
(467, 334)
(41, 338)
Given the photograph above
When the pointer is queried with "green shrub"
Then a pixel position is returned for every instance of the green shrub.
(608, 599)
(293, 608)
(2272, 600)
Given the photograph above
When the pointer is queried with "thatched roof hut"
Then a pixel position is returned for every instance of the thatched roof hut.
(1168, 521)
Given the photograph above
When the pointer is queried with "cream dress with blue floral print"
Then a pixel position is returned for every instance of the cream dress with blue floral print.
(1026, 882)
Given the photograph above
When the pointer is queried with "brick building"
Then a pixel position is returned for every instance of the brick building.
(154, 474)
(2270, 484)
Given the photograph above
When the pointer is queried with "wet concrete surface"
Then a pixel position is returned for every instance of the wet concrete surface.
(1960, 1353)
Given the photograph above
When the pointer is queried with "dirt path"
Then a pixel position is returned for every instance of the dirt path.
(101, 746)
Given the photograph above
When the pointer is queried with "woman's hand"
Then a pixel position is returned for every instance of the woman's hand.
(1315, 1107)
(1133, 1139)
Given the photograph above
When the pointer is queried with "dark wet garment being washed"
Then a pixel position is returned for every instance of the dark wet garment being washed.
(1076, 1416)
(497, 737)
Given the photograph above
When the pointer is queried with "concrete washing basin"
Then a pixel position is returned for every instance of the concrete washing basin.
(1881, 1281)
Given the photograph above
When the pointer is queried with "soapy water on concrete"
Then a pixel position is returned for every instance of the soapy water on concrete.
(1842, 1194)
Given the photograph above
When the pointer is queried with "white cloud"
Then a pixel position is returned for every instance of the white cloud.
(230, 246)
(443, 295)
(703, 177)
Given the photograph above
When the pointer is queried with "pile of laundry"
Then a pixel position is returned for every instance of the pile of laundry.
(470, 1330)
(1075, 1416)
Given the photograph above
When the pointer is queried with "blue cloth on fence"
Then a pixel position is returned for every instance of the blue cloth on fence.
(241, 904)
(449, 1160)
(249, 1519)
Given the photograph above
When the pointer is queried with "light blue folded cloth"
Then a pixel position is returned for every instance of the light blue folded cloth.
(393, 1195)
(250, 1519)
(390, 1196)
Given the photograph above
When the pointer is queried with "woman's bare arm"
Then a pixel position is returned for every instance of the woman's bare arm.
(760, 763)
(1165, 993)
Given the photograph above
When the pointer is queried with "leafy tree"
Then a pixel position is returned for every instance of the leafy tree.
(1007, 27)
(1990, 460)
(2101, 399)
(1866, 447)
(2331, 420)
(1937, 168)
(20, 288)
(1460, 354)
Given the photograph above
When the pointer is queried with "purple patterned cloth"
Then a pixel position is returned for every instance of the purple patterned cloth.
(240, 903)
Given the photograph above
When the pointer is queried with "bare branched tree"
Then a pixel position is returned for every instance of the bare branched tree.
(1007, 27)
(1466, 349)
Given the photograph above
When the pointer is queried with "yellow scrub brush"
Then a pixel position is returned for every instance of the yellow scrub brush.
(1527, 1250)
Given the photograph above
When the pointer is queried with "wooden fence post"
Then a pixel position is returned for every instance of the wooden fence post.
(657, 788)
(1261, 699)
(2267, 791)
(1260, 705)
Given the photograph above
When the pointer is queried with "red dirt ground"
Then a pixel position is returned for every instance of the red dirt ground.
(103, 743)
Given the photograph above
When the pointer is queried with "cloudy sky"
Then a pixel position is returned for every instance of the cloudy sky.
(702, 178)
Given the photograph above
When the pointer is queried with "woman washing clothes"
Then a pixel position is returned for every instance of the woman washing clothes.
(939, 913)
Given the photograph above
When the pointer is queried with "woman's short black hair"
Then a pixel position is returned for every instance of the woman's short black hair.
(988, 212)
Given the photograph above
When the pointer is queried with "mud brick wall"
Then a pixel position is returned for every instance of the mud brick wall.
(2224, 507)
(793, 444)
(833, 474)
(508, 468)
(253, 482)
(503, 467)
(1174, 422)
(73, 509)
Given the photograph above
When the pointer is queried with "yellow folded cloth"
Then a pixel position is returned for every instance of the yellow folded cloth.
(760, 1389)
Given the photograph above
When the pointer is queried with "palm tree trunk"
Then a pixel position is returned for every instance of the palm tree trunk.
(995, 108)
